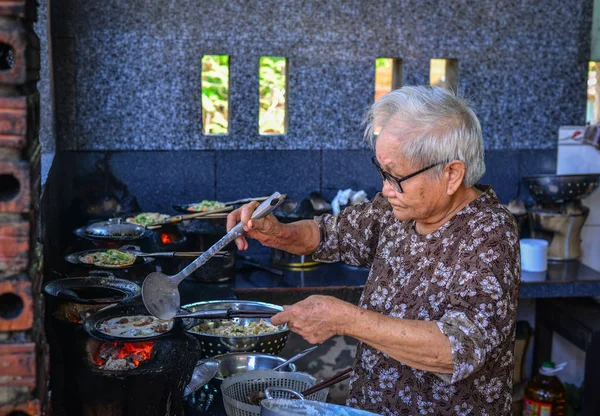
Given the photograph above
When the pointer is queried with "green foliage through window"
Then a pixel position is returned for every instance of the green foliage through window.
(215, 94)
(272, 95)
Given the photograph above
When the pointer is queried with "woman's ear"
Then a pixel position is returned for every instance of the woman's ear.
(455, 172)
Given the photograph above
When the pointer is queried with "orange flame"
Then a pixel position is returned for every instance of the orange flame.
(136, 351)
(166, 238)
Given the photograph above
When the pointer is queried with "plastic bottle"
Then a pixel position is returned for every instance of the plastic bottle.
(545, 394)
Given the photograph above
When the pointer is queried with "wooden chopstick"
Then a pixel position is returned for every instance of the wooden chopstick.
(341, 376)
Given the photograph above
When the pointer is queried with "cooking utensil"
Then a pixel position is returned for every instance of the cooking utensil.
(179, 254)
(341, 376)
(289, 407)
(92, 323)
(229, 364)
(69, 294)
(159, 291)
(296, 357)
(559, 188)
(93, 292)
(204, 371)
(75, 258)
(292, 261)
(116, 229)
(213, 345)
(225, 314)
(178, 218)
(307, 208)
(97, 288)
(187, 207)
(235, 389)
(255, 397)
(241, 362)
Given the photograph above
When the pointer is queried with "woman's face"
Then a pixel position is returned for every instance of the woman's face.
(423, 196)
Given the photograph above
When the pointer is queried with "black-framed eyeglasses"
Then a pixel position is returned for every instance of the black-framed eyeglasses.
(396, 183)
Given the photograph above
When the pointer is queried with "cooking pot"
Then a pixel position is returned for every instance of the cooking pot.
(292, 261)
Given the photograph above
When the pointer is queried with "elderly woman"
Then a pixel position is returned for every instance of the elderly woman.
(436, 320)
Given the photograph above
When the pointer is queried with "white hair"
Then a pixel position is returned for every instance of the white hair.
(437, 125)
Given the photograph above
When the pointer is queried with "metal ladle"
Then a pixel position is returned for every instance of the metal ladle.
(159, 291)
(295, 357)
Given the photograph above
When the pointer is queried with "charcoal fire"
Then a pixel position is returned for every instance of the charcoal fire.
(113, 356)
(166, 238)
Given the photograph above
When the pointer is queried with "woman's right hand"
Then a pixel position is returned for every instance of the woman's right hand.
(260, 229)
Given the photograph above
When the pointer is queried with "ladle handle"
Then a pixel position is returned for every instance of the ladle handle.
(295, 357)
(269, 390)
(261, 211)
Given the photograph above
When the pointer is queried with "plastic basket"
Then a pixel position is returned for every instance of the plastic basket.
(235, 389)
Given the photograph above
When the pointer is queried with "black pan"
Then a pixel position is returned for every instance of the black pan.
(93, 290)
(91, 324)
(74, 258)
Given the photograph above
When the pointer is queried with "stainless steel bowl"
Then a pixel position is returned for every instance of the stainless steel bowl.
(559, 188)
(241, 362)
(217, 345)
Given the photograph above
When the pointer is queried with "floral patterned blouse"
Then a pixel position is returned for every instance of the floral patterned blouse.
(465, 276)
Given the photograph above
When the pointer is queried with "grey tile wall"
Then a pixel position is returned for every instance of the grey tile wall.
(128, 73)
(162, 178)
(250, 173)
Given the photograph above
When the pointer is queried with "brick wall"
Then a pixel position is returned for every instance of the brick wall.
(23, 348)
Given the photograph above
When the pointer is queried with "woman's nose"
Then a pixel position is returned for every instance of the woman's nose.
(387, 190)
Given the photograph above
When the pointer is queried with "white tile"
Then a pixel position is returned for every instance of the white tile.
(570, 134)
(577, 158)
(590, 246)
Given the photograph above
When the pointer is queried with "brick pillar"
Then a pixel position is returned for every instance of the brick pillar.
(23, 349)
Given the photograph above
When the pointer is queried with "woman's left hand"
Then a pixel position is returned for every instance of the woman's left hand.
(317, 318)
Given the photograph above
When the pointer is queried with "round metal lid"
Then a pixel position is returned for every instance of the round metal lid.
(114, 228)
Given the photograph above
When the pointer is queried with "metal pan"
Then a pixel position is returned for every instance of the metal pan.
(74, 258)
(92, 324)
(112, 230)
(187, 207)
(94, 289)
(91, 293)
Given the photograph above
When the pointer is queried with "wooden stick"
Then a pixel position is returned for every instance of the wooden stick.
(341, 376)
